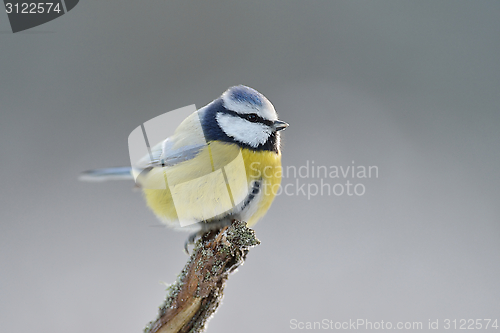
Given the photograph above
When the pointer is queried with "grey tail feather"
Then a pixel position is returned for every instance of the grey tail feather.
(99, 175)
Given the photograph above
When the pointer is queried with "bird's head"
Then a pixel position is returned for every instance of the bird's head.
(248, 117)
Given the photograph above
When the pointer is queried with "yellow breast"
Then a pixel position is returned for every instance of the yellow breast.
(213, 184)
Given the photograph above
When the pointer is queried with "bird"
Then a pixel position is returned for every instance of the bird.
(222, 163)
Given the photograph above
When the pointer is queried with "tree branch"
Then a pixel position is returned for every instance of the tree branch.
(198, 291)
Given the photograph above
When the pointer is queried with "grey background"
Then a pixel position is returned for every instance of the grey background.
(411, 87)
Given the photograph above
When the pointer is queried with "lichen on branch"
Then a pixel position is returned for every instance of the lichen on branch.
(197, 293)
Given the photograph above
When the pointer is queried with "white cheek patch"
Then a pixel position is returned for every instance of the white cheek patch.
(253, 134)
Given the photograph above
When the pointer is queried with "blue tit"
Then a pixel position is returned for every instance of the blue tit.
(222, 163)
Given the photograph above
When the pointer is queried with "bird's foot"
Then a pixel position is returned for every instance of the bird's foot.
(191, 240)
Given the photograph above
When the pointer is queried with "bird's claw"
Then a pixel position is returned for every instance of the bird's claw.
(190, 241)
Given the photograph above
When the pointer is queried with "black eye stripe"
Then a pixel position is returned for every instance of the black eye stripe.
(252, 117)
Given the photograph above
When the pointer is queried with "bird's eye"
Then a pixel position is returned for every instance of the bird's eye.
(252, 117)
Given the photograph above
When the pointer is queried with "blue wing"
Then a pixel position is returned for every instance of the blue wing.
(185, 144)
